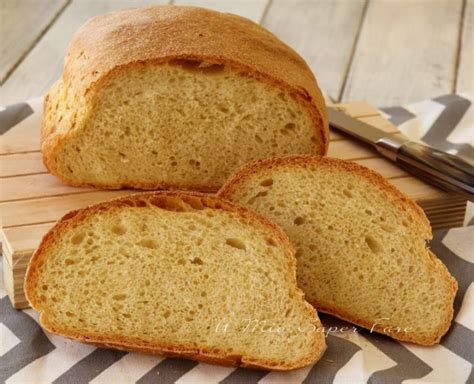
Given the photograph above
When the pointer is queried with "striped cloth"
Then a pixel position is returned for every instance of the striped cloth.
(30, 355)
(445, 122)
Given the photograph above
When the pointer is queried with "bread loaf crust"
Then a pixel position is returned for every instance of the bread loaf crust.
(110, 43)
(395, 195)
(172, 201)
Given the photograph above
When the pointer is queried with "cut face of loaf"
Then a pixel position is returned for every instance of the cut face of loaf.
(177, 97)
(173, 273)
(360, 243)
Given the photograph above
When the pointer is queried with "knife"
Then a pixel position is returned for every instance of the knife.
(446, 171)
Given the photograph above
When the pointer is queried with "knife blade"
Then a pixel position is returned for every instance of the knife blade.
(444, 170)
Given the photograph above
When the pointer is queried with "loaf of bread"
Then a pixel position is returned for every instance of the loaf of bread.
(177, 97)
(360, 243)
(181, 274)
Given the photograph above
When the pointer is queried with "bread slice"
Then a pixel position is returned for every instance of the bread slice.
(177, 274)
(177, 97)
(360, 243)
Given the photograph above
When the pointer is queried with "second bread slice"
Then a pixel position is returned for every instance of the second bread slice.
(360, 243)
(181, 274)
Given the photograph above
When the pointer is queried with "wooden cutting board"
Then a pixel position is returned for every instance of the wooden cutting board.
(32, 199)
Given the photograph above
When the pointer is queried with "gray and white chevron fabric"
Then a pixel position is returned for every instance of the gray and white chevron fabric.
(30, 355)
(445, 122)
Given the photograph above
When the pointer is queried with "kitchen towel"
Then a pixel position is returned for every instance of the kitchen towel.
(30, 355)
(445, 122)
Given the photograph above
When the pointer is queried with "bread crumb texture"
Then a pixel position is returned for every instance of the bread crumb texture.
(360, 243)
(184, 275)
(177, 97)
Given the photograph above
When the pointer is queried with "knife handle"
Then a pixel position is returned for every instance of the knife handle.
(440, 168)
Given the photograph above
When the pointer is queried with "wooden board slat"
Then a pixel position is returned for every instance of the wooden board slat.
(22, 259)
(377, 121)
(323, 32)
(22, 164)
(357, 109)
(446, 204)
(417, 189)
(8, 281)
(381, 123)
(447, 224)
(43, 65)
(27, 187)
(22, 22)
(350, 150)
(448, 214)
(405, 52)
(465, 78)
(18, 240)
(14, 287)
(251, 9)
(385, 167)
(38, 211)
(448, 207)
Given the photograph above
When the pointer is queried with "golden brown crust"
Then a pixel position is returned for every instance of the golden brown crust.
(109, 43)
(396, 195)
(308, 161)
(173, 201)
